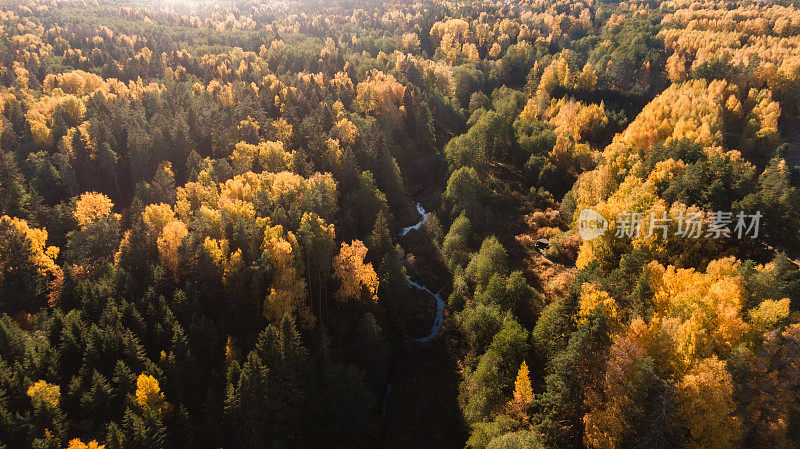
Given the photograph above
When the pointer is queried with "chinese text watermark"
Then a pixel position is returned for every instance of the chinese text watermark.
(688, 224)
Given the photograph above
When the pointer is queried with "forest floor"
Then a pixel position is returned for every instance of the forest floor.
(423, 409)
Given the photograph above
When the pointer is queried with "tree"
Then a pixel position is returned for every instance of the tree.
(465, 193)
(523, 394)
(382, 95)
(707, 402)
(169, 243)
(632, 59)
(456, 242)
(520, 439)
(29, 275)
(372, 351)
(354, 275)
(13, 194)
(76, 443)
(572, 375)
(317, 238)
(483, 390)
(288, 288)
(92, 207)
(47, 419)
(149, 395)
(43, 394)
(489, 260)
(636, 405)
(97, 238)
(490, 139)
(246, 402)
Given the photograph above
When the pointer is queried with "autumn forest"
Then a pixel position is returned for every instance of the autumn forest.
(490, 224)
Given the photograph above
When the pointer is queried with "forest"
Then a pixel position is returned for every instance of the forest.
(485, 224)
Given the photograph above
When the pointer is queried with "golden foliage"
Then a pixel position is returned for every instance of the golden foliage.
(702, 112)
(769, 314)
(270, 156)
(559, 74)
(345, 131)
(621, 185)
(760, 39)
(169, 243)
(92, 207)
(354, 274)
(288, 289)
(455, 39)
(381, 94)
(523, 394)
(156, 216)
(15, 234)
(575, 119)
(43, 393)
(593, 300)
(706, 396)
(76, 443)
(698, 320)
(76, 82)
(706, 308)
(149, 395)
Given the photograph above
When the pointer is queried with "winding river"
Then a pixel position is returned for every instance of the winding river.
(438, 320)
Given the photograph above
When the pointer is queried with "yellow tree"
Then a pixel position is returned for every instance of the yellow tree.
(76, 443)
(523, 394)
(288, 289)
(92, 207)
(155, 217)
(149, 394)
(169, 244)
(593, 300)
(353, 273)
(26, 262)
(707, 403)
(43, 393)
(381, 94)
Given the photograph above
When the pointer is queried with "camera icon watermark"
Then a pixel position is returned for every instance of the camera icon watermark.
(591, 224)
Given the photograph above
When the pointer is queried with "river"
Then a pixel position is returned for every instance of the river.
(438, 320)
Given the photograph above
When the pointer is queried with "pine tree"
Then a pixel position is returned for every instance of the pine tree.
(523, 394)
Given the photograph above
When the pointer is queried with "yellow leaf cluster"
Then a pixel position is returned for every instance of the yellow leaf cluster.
(699, 111)
(345, 131)
(353, 273)
(155, 217)
(270, 156)
(705, 308)
(560, 74)
(77, 82)
(707, 403)
(169, 243)
(76, 443)
(574, 118)
(43, 393)
(15, 233)
(381, 94)
(760, 39)
(523, 394)
(455, 39)
(593, 299)
(92, 207)
(148, 393)
(288, 287)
